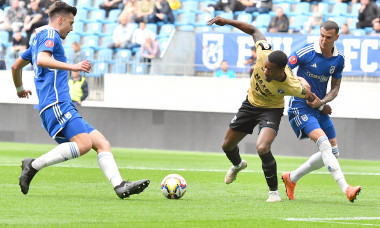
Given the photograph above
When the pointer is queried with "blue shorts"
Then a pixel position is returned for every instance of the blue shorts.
(305, 121)
(62, 121)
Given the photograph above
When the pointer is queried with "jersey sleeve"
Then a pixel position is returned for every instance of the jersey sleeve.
(339, 71)
(293, 60)
(27, 55)
(263, 49)
(48, 42)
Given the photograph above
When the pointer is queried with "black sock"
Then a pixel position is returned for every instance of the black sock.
(234, 156)
(270, 170)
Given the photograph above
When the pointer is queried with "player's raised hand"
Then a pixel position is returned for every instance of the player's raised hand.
(24, 94)
(83, 66)
(217, 20)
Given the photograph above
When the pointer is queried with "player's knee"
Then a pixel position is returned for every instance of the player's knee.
(227, 147)
(84, 146)
(262, 148)
(105, 145)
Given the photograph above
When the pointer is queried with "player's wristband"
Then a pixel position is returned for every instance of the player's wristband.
(321, 108)
(20, 88)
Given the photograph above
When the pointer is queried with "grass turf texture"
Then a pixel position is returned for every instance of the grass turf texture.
(76, 193)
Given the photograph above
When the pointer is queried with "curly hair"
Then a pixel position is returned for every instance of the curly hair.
(279, 58)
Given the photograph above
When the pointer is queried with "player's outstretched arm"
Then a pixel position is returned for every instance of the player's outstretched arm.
(44, 59)
(17, 78)
(245, 27)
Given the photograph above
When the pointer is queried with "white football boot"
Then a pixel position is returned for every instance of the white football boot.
(233, 171)
(274, 197)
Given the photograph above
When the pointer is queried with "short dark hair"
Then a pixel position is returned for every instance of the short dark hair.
(279, 58)
(328, 25)
(60, 7)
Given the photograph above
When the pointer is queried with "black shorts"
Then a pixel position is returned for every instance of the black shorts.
(249, 116)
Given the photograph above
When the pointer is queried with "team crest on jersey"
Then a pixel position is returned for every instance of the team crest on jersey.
(234, 119)
(293, 60)
(304, 117)
(49, 43)
(68, 115)
(332, 69)
(280, 91)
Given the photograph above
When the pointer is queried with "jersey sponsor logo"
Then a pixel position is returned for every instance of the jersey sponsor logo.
(68, 115)
(304, 117)
(293, 60)
(234, 119)
(314, 65)
(49, 43)
(332, 69)
(321, 78)
(269, 122)
(280, 91)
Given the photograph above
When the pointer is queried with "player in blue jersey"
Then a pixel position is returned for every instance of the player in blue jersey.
(317, 62)
(59, 117)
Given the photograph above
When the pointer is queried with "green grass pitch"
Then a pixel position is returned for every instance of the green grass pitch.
(76, 193)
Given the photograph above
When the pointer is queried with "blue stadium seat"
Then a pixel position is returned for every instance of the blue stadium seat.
(122, 61)
(108, 29)
(187, 18)
(166, 30)
(354, 11)
(106, 40)
(316, 31)
(97, 15)
(225, 28)
(94, 28)
(323, 7)
(340, 20)
(353, 24)
(286, 7)
(113, 16)
(105, 55)
(203, 28)
(84, 4)
(82, 15)
(301, 8)
(227, 15)
(152, 27)
(298, 23)
(262, 20)
(89, 52)
(189, 7)
(70, 39)
(203, 19)
(139, 68)
(91, 41)
(245, 17)
(69, 53)
(78, 28)
(99, 69)
(340, 9)
(4, 37)
(70, 2)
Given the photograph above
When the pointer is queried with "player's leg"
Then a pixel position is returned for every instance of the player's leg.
(108, 165)
(80, 143)
(268, 162)
(230, 147)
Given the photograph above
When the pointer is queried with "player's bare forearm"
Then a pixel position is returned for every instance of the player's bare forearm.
(335, 86)
(245, 27)
(17, 71)
(44, 59)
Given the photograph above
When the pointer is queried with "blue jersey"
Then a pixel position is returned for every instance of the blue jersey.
(51, 84)
(315, 69)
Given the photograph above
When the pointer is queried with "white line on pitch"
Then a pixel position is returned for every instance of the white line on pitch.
(182, 169)
(337, 220)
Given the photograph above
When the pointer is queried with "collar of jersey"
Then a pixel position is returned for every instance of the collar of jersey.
(317, 48)
(43, 28)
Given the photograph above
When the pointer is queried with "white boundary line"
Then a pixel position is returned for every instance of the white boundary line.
(180, 169)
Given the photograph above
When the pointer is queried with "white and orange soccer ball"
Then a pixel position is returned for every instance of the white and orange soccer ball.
(173, 186)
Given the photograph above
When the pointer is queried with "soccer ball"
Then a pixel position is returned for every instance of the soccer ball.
(173, 186)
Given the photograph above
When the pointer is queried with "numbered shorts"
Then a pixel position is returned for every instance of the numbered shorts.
(249, 116)
(62, 121)
(305, 122)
